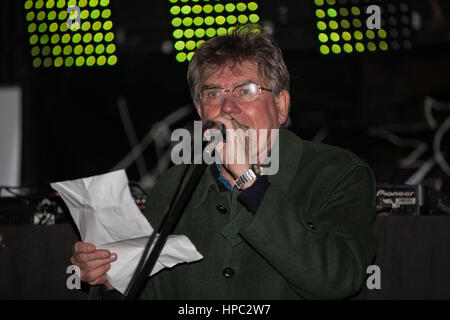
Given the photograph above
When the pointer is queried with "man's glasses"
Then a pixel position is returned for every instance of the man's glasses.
(247, 92)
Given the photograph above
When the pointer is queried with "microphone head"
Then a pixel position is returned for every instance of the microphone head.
(209, 124)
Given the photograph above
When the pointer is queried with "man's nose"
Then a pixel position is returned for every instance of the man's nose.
(230, 103)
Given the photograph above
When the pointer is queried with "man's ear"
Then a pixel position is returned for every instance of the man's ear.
(199, 110)
(282, 102)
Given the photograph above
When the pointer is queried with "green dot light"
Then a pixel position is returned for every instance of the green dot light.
(106, 14)
(371, 46)
(175, 10)
(334, 36)
(67, 50)
(253, 18)
(320, 13)
(343, 12)
(47, 62)
(241, 7)
(190, 45)
(197, 9)
(355, 11)
(357, 23)
(79, 61)
(221, 31)
(331, 13)
(90, 61)
(346, 36)
(68, 62)
(358, 35)
(186, 9)
(336, 49)
(210, 32)
(56, 51)
(111, 48)
(359, 47)
(62, 36)
(323, 37)
(112, 60)
(179, 45)
(59, 62)
(35, 51)
(187, 21)
(321, 25)
(208, 8)
(345, 24)
(196, 21)
(101, 60)
(382, 33)
(230, 7)
(220, 20)
(341, 28)
(348, 48)
(383, 45)
(333, 25)
(252, 6)
(218, 8)
(37, 62)
(32, 28)
(181, 57)
(324, 49)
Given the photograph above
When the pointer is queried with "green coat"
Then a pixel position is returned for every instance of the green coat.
(311, 238)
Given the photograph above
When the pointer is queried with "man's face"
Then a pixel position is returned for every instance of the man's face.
(266, 112)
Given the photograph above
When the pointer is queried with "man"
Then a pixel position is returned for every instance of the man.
(302, 233)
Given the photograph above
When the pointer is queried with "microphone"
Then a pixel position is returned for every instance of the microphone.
(209, 124)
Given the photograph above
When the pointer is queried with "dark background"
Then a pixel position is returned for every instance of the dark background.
(369, 103)
(72, 127)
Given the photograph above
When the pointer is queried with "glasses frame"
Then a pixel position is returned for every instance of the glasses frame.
(233, 91)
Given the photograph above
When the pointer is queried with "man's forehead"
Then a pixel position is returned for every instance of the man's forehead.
(245, 71)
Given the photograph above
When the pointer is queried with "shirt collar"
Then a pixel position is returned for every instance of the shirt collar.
(222, 182)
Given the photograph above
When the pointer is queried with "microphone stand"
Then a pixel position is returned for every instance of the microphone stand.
(168, 225)
(141, 275)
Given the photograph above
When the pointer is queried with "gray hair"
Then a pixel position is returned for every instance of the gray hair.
(246, 43)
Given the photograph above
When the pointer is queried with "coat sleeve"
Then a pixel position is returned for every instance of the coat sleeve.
(323, 252)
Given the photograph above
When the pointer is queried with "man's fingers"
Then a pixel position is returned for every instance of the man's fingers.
(94, 264)
(95, 276)
(96, 255)
(100, 280)
(83, 247)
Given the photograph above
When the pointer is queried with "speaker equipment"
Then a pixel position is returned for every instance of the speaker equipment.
(411, 200)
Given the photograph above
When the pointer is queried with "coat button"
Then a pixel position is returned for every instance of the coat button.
(228, 273)
(221, 208)
(311, 225)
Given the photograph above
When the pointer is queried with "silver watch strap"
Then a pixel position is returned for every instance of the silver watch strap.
(247, 176)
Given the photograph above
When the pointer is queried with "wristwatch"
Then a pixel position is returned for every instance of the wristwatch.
(248, 176)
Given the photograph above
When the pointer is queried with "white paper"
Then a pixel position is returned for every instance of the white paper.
(106, 215)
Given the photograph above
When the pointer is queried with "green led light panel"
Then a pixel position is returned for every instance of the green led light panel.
(196, 21)
(72, 33)
(341, 28)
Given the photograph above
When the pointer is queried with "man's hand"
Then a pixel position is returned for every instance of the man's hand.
(93, 263)
(234, 152)
(240, 150)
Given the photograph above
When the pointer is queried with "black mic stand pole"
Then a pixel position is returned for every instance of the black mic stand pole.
(168, 225)
(135, 287)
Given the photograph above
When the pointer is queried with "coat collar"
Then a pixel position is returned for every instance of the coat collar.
(290, 152)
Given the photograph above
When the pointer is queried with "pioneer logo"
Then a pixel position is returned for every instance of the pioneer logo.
(384, 193)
